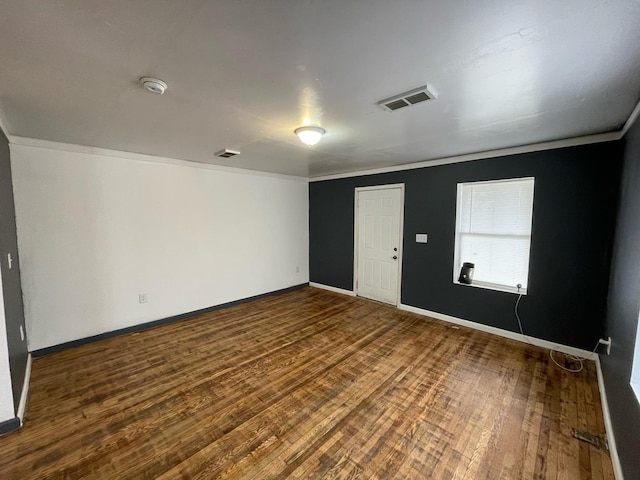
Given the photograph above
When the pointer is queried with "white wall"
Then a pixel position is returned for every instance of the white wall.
(6, 392)
(94, 231)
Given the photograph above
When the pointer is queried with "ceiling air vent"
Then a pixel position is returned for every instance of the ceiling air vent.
(226, 153)
(406, 99)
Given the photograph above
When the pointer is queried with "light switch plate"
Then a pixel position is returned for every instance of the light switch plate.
(421, 238)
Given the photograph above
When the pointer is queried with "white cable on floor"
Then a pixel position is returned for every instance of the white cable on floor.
(572, 357)
(551, 351)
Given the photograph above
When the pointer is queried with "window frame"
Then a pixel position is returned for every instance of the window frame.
(456, 252)
(634, 379)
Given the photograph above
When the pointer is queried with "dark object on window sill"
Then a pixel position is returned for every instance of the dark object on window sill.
(466, 273)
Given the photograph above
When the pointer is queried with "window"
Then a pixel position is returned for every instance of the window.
(635, 371)
(493, 231)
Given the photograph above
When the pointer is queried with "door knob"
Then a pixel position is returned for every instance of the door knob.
(395, 249)
(395, 257)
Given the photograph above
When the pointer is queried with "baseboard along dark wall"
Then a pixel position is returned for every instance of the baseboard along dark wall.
(9, 425)
(156, 323)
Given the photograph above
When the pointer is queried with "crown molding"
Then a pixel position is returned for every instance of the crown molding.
(142, 157)
(631, 120)
(503, 152)
(534, 147)
(5, 130)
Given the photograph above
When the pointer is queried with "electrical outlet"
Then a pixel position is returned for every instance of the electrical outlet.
(142, 298)
(298, 269)
(606, 342)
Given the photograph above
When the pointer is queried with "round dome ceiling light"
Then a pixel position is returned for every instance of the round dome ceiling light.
(310, 135)
(153, 85)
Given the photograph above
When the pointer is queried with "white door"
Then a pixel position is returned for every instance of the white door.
(378, 243)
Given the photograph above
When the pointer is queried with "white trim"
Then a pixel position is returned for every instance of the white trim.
(332, 289)
(380, 187)
(636, 389)
(631, 120)
(535, 147)
(5, 130)
(22, 406)
(457, 263)
(492, 286)
(400, 233)
(355, 232)
(606, 415)
(141, 157)
(400, 247)
(615, 459)
(355, 242)
(501, 333)
(634, 378)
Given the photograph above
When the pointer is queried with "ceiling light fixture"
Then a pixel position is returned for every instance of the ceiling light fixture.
(153, 85)
(310, 135)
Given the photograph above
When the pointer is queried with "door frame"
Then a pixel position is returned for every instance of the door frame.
(356, 233)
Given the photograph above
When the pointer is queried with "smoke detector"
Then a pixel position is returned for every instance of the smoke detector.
(153, 85)
(406, 99)
(226, 153)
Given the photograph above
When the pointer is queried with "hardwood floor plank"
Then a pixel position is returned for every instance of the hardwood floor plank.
(306, 384)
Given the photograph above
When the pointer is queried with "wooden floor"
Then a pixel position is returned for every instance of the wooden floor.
(308, 384)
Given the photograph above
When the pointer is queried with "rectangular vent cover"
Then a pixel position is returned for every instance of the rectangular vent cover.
(406, 99)
(226, 153)
(595, 440)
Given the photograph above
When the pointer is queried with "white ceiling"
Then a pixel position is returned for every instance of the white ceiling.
(244, 74)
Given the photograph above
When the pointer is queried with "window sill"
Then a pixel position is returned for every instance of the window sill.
(493, 286)
(635, 386)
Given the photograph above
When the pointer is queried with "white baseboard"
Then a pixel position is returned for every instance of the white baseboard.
(22, 406)
(613, 452)
(615, 460)
(333, 289)
(606, 414)
(578, 352)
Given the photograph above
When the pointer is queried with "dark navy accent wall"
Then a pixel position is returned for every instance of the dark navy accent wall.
(623, 311)
(11, 287)
(576, 194)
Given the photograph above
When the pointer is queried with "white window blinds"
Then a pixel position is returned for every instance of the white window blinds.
(493, 231)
